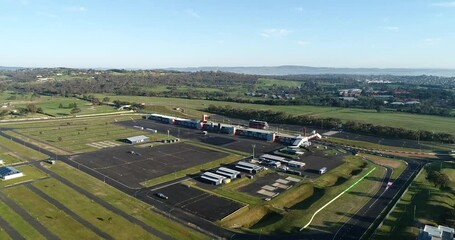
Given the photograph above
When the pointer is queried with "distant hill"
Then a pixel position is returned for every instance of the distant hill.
(293, 70)
(9, 68)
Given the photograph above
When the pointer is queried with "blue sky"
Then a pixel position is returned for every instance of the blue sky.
(178, 33)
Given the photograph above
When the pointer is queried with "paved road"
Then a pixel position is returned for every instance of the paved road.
(68, 211)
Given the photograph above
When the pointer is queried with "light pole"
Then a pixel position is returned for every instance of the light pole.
(168, 135)
(254, 146)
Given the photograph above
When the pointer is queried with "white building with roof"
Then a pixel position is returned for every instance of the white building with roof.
(436, 233)
(8, 172)
(137, 139)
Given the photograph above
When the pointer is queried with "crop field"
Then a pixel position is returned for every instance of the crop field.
(82, 135)
(268, 83)
(403, 120)
(433, 206)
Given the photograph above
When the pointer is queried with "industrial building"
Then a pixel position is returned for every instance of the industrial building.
(8, 172)
(440, 232)
(249, 167)
(296, 164)
(256, 133)
(232, 174)
(271, 163)
(216, 179)
(294, 141)
(273, 158)
(137, 139)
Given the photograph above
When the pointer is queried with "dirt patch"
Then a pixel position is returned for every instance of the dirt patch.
(384, 161)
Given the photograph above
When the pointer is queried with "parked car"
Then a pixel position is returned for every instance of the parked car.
(161, 195)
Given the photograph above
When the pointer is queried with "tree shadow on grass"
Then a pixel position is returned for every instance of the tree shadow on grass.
(305, 204)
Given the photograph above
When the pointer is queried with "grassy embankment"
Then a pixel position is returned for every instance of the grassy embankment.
(289, 211)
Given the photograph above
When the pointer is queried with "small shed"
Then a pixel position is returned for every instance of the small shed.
(137, 139)
(8, 172)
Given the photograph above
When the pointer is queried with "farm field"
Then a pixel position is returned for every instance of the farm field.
(403, 120)
(432, 205)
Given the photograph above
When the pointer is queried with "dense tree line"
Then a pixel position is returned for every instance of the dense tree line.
(331, 123)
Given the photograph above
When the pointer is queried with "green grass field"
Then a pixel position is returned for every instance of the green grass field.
(78, 135)
(432, 206)
(105, 220)
(403, 120)
(128, 204)
(9, 158)
(48, 215)
(20, 149)
(18, 223)
(268, 83)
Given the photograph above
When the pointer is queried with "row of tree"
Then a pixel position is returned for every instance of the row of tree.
(331, 123)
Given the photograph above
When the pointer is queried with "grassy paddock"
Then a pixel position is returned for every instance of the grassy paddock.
(48, 215)
(19, 224)
(73, 136)
(97, 215)
(22, 150)
(128, 204)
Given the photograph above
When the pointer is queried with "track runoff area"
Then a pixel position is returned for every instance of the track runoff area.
(335, 198)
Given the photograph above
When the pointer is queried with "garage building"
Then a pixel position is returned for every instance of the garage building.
(137, 139)
(232, 174)
(7, 173)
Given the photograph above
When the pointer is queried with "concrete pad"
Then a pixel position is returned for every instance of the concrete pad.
(293, 179)
(266, 193)
(278, 185)
(282, 181)
(269, 188)
(91, 145)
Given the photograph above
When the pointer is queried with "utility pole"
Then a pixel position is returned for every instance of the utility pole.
(415, 206)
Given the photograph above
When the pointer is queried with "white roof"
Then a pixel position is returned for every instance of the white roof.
(213, 175)
(228, 170)
(272, 157)
(137, 138)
